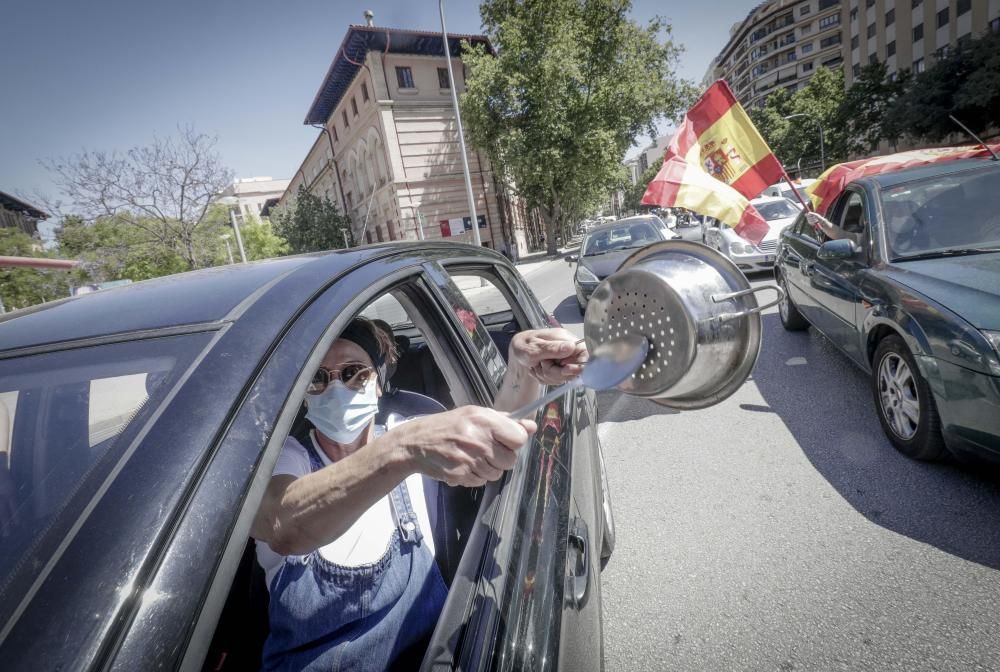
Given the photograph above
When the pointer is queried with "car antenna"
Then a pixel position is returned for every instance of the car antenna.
(976, 137)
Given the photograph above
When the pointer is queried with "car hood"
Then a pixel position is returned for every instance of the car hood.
(603, 265)
(776, 226)
(969, 286)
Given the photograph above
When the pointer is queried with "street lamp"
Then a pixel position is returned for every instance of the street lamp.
(822, 151)
(461, 134)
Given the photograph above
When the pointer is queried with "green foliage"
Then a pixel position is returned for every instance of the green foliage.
(260, 241)
(572, 84)
(633, 194)
(21, 287)
(866, 111)
(311, 224)
(966, 83)
(822, 101)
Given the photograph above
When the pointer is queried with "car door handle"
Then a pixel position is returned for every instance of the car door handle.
(578, 564)
(807, 267)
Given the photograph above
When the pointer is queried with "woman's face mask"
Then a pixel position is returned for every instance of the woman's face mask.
(342, 413)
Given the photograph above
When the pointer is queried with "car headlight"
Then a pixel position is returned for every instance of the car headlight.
(741, 248)
(994, 338)
(583, 274)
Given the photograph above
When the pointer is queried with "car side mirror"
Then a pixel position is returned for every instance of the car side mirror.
(570, 258)
(842, 248)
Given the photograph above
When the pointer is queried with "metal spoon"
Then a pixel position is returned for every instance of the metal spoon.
(610, 364)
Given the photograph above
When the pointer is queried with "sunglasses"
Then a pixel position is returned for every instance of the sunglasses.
(354, 376)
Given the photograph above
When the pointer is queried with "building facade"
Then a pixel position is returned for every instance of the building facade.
(912, 34)
(18, 214)
(781, 43)
(388, 153)
(249, 196)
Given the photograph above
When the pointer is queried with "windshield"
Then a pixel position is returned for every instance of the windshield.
(626, 234)
(61, 415)
(777, 210)
(945, 212)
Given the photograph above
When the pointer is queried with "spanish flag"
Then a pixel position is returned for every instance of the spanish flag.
(825, 190)
(717, 141)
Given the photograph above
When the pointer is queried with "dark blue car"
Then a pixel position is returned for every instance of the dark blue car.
(140, 425)
(910, 291)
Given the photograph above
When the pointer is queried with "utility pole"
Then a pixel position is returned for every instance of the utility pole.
(236, 229)
(461, 133)
(229, 250)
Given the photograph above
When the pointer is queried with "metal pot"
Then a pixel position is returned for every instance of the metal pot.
(699, 314)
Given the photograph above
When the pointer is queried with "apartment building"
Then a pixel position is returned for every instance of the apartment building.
(388, 153)
(780, 44)
(912, 34)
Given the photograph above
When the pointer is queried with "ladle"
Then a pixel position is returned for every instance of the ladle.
(610, 364)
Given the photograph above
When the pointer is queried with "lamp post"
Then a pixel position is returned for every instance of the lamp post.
(822, 151)
(461, 134)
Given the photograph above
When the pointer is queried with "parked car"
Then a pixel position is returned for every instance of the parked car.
(916, 303)
(607, 246)
(784, 190)
(689, 227)
(145, 422)
(779, 213)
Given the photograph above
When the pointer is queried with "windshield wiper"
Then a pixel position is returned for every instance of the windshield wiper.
(595, 254)
(949, 252)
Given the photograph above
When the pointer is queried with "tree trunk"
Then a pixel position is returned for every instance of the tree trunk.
(551, 226)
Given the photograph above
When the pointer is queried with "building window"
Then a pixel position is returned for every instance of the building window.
(941, 53)
(364, 92)
(942, 17)
(965, 41)
(890, 49)
(807, 48)
(854, 15)
(354, 106)
(828, 21)
(343, 114)
(827, 4)
(918, 32)
(869, 4)
(918, 65)
(807, 67)
(995, 25)
(855, 70)
(443, 78)
(404, 77)
(916, 3)
(872, 59)
(890, 17)
(829, 41)
(806, 29)
(833, 62)
(871, 31)
(804, 9)
(854, 42)
(962, 6)
(336, 136)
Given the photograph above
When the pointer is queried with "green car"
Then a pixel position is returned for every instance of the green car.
(910, 291)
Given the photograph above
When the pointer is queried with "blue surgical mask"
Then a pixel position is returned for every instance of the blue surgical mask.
(342, 413)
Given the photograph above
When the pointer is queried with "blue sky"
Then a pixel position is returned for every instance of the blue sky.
(109, 74)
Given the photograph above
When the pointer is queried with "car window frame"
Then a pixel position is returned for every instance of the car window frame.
(474, 386)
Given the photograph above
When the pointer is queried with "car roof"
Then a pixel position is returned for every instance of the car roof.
(767, 199)
(893, 178)
(184, 300)
(618, 222)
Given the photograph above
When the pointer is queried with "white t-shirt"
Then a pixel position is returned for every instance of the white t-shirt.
(367, 540)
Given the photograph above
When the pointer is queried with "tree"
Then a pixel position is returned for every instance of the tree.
(311, 224)
(21, 287)
(260, 241)
(164, 190)
(573, 82)
(634, 193)
(113, 249)
(866, 107)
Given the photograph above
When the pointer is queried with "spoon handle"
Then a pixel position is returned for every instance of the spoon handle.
(554, 394)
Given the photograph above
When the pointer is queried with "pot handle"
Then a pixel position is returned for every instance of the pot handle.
(719, 298)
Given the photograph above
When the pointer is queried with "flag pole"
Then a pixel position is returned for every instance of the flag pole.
(784, 174)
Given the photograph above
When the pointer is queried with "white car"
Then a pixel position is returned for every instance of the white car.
(783, 190)
(779, 213)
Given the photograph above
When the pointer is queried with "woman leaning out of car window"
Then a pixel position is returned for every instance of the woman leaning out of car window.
(343, 532)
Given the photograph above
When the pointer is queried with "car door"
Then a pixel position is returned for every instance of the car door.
(836, 283)
(798, 251)
(543, 603)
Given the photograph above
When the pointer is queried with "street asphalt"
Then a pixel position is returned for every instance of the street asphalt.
(779, 530)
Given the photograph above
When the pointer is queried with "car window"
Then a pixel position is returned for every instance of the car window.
(772, 210)
(61, 417)
(803, 228)
(852, 215)
(622, 236)
(948, 211)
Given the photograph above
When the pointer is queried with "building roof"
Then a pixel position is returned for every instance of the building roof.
(8, 202)
(256, 185)
(358, 41)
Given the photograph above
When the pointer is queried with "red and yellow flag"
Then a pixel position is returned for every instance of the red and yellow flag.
(825, 190)
(716, 161)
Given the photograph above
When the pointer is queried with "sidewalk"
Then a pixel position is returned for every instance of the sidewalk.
(532, 262)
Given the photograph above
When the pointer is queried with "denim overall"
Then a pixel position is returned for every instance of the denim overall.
(361, 619)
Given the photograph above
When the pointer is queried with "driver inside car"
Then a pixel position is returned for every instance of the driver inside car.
(344, 533)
